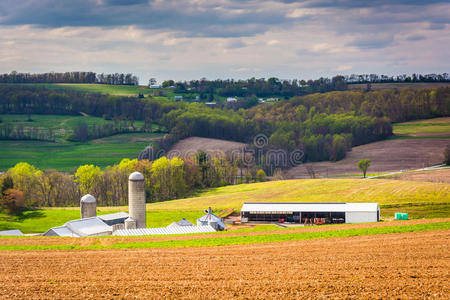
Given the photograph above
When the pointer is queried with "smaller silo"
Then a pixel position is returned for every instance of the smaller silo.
(136, 199)
(88, 206)
(130, 223)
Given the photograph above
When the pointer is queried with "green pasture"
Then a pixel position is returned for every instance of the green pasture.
(68, 156)
(62, 125)
(431, 127)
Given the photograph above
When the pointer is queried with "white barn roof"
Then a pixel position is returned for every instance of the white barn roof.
(113, 216)
(309, 207)
(164, 230)
(182, 222)
(89, 227)
(61, 231)
(11, 232)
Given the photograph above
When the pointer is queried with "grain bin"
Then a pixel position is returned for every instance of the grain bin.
(88, 206)
(136, 199)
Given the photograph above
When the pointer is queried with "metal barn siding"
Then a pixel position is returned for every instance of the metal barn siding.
(298, 212)
(164, 230)
(361, 217)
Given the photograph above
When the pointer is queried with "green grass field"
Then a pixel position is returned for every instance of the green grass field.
(118, 90)
(438, 127)
(419, 199)
(67, 156)
(64, 155)
(62, 125)
(236, 240)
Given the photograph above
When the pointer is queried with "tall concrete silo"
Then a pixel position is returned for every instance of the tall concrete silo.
(136, 199)
(88, 206)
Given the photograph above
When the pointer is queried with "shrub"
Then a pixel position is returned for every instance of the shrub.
(261, 175)
(12, 201)
(447, 155)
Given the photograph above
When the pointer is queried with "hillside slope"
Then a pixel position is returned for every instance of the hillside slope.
(385, 156)
(314, 190)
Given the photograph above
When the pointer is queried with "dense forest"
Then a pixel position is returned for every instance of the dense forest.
(322, 126)
(70, 77)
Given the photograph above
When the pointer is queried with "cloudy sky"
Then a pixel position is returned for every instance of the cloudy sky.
(190, 39)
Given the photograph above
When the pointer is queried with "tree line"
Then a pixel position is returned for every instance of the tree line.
(70, 77)
(257, 87)
(165, 179)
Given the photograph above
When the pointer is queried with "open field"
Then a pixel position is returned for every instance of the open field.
(386, 156)
(189, 146)
(64, 155)
(423, 128)
(400, 85)
(115, 90)
(442, 175)
(399, 265)
(419, 199)
(314, 190)
(61, 125)
(67, 156)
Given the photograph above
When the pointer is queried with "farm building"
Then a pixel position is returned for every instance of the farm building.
(164, 230)
(182, 222)
(95, 226)
(310, 213)
(178, 98)
(211, 220)
(11, 232)
(231, 99)
(134, 223)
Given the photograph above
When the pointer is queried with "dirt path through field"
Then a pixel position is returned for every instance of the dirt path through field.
(407, 266)
(106, 241)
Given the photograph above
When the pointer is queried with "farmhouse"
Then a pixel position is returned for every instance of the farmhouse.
(310, 213)
(231, 99)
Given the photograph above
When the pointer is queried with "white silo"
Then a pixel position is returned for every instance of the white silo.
(88, 206)
(136, 199)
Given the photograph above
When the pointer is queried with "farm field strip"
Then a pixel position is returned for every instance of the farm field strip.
(410, 265)
(236, 239)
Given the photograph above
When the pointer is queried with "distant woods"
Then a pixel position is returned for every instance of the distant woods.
(70, 77)
(323, 126)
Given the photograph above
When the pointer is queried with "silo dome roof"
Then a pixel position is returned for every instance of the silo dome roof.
(88, 198)
(136, 176)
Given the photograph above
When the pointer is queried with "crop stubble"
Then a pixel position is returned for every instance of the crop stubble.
(409, 265)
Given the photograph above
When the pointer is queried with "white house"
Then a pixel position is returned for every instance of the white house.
(231, 99)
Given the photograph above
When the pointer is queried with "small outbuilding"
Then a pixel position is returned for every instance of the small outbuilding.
(182, 222)
(310, 213)
(13, 232)
(212, 220)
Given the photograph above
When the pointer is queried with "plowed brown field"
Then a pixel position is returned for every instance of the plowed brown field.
(410, 265)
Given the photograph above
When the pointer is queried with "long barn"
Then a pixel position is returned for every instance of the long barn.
(310, 213)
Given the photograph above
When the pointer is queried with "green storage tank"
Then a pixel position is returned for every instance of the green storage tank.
(401, 216)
